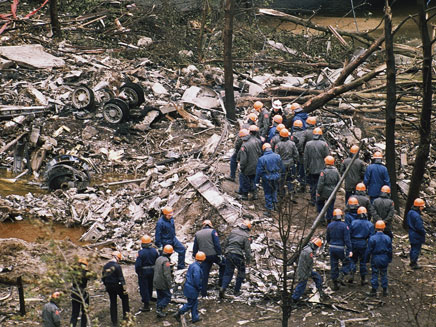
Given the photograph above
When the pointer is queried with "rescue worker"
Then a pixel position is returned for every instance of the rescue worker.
(252, 119)
(351, 210)
(206, 240)
(299, 114)
(247, 157)
(355, 174)
(269, 168)
(328, 179)
(166, 234)
(308, 132)
(51, 312)
(363, 199)
(162, 280)
(338, 238)
(263, 120)
(376, 175)
(314, 153)
(305, 270)
(192, 288)
(416, 231)
(298, 138)
(277, 120)
(79, 295)
(277, 110)
(384, 209)
(276, 137)
(113, 280)
(144, 268)
(380, 250)
(289, 154)
(254, 132)
(360, 231)
(238, 255)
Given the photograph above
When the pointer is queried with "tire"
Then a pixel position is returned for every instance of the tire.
(115, 111)
(83, 98)
(134, 94)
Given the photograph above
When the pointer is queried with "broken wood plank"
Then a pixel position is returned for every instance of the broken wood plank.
(12, 143)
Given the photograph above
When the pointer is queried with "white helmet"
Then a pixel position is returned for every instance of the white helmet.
(277, 104)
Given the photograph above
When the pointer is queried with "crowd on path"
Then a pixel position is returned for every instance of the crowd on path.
(284, 150)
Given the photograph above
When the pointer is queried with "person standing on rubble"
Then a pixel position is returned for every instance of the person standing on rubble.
(277, 110)
(166, 234)
(384, 209)
(263, 120)
(338, 238)
(144, 268)
(192, 288)
(254, 132)
(351, 210)
(363, 199)
(276, 137)
(247, 157)
(328, 179)
(314, 153)
(299, 114)
(288, 152)
(113, 280)
(162, 280)
(206, 240)
(376, 175)
(298, 138)
(380, 250)
(269, 168)
(416, 231)
(276, 120)
(355, 173)
(360, 231)
(308, 132)
(305, 270)
(51, 312)
(79, 295)
(238, 255)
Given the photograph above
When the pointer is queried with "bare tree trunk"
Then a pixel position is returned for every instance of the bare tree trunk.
(54, 19)
(203, 23)
(391, 103)
(425, 124)
(229, 11)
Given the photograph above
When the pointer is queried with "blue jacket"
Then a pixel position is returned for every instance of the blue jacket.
(146, 258)
(376, 175)
(271, 133)
(194, 278)
(350, 216)
(416, 228)
(299, 116)
(379, 249)
(269, 166)
(338, 234)
(360, 231)
(165, 231)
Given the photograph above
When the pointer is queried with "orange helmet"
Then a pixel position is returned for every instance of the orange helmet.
(377, 155)
(280, 127)
(337, 212)
(298, 123)
(419, 202)
(380, 224)
(117, 255)
(168, 211)
(329, 160)
(278, 119)
(295, 105)
(354, 149)
(200, 256)
(252, 117)
(317, 241)
(207, 222)
(284, 133)
(83, 261)
(311, 120)
(266, 146)
(352, 201)
(253, 128)
(247, 223)
(360, 187)
(145, 239)
(244, 132)
(317, 131)
(258, 105)
(168, 249)
(386, 189)
(362, 210)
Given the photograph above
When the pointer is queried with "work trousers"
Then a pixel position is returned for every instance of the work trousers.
(206, 265)
(115, 290)
(301, 286)
(234, 261)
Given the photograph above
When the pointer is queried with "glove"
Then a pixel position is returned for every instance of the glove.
(222, 258)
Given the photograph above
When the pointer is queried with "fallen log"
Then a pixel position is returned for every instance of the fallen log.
(277, 62)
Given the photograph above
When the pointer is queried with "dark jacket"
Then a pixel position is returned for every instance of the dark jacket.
(50, 315)
(238, 242)
(145, 261)
(379, 249)
(416, 227)
(314, 154)
(376, 175)
(263, 122)
(269, 166)
(360, 231)
(328, 179)
(207, 241)
(384, 210)
(338, 234)
(248, 156)
(287, 151)
(355, 174)
(113, 274)
(162, 278)
(300, 116)
(165, 231)
(350, 216)
(305, 263)
(194, 278)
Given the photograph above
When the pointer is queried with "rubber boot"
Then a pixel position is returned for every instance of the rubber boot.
(373, 292)
(221, 294)
(145, 308)
(160, 313)
(363, 280)
(322, 295)
(255, 196)
(385, 292)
